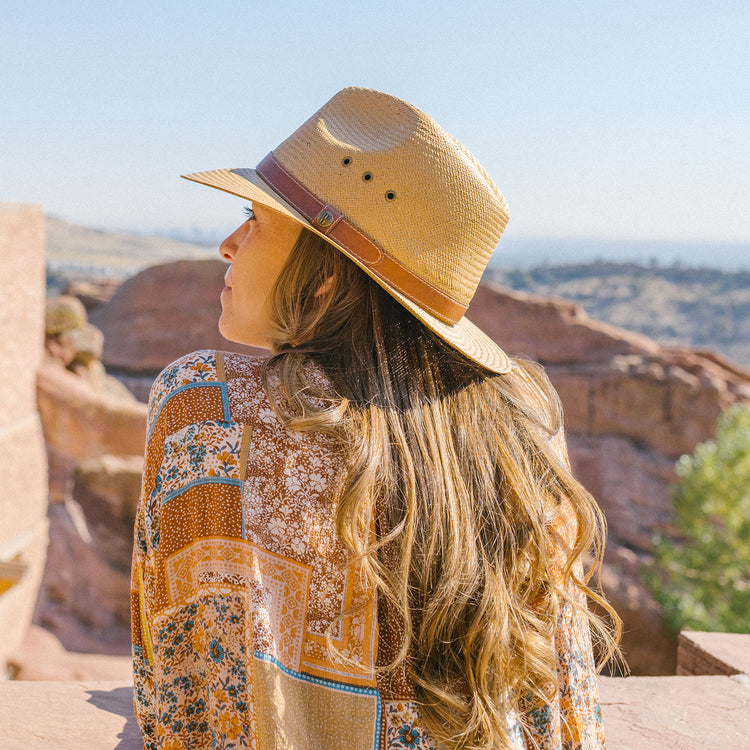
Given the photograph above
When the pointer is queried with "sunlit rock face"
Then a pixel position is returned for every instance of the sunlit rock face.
(632, 408)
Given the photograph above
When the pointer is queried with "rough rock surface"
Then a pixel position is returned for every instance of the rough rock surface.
(42, 657)
(676, 713)
(23, 485)
(631, 409)
(162, 313)
(640, 713)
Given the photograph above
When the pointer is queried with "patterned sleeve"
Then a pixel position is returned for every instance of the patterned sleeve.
(143, 681)
(143, 659)
(145, 538)
(571, 719)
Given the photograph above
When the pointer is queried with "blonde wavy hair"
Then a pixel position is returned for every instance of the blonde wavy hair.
(456, 469)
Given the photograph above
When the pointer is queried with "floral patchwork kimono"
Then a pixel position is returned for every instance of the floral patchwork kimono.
(238, 575)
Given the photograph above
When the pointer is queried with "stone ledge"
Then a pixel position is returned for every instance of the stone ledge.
(676, 713)
(68, 716)
(640, 713)
(702, 653)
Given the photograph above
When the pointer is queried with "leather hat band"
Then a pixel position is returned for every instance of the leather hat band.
(329, 222)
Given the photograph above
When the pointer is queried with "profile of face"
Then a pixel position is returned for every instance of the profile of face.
(257, 251)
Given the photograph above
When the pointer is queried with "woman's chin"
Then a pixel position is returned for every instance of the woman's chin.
(241, 337)
(226, 329)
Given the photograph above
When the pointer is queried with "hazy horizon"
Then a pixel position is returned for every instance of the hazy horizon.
(527, 252)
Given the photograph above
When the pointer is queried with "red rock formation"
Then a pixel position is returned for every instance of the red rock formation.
(631, 408)
(162, 313)
(95, 435)
(23, 485)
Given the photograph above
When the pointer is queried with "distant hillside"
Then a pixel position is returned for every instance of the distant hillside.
(75, 251)
(701, 308)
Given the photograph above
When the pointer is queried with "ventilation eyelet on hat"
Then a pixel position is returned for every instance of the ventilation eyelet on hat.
(390, 195)
(367, 176)
(347, 160)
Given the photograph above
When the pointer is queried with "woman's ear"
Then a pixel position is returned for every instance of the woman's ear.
(326, 286)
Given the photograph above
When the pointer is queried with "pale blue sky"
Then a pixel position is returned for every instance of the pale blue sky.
(619, 120)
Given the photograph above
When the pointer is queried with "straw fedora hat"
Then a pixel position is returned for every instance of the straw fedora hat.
(407, 202)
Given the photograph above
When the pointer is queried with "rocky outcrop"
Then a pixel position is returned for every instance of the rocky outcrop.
(631, 409)
(95, 435)
(82, 421)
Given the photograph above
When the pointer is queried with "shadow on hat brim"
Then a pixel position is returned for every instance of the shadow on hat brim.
(464, 335)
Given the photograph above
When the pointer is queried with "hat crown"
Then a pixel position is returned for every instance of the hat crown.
(406, 183)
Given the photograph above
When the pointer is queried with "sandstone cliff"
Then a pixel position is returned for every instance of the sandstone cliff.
(632, 407)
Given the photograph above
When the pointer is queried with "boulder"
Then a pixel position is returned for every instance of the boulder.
(162, 313)
(83, 422)
(70, 339)
(86, 343)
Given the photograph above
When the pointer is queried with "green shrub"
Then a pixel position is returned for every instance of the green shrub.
(701, 574)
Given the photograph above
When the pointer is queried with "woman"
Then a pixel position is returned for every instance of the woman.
(372, 538)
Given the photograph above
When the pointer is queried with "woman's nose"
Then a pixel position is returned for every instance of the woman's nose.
(228, 248)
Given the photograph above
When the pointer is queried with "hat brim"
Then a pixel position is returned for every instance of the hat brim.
(463, 335)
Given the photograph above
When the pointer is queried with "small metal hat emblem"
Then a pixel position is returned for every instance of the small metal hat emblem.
(325, 218)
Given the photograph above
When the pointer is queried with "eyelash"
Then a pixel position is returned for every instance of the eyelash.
(248, 210)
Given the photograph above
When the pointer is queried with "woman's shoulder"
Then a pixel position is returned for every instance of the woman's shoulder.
(203, 368)
(196, 367)
(256, 392)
